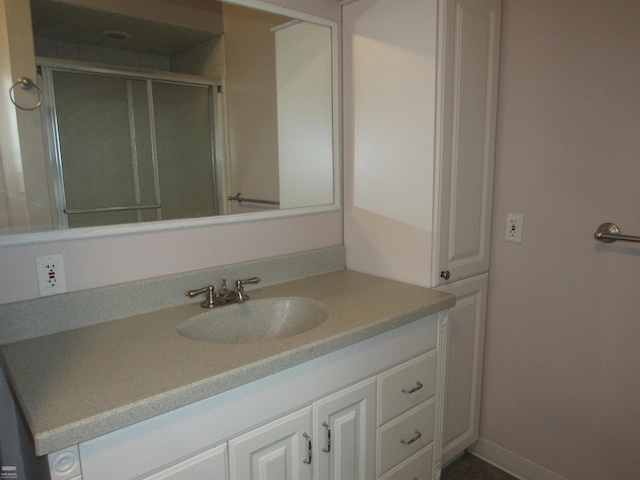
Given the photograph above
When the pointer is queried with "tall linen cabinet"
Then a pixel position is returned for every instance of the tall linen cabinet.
(420, 99)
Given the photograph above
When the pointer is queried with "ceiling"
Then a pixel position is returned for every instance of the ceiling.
(60, 21)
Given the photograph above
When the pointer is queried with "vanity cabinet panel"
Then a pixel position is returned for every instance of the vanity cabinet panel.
(465, 360)
(344, 437)
(410, 416)
(406, 386)
(417, 467)
(465, 137)
(405, 435)
(209, 465)
(441, 229)
(279, 450)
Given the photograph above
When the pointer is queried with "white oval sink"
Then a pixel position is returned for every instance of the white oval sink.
(256, 320)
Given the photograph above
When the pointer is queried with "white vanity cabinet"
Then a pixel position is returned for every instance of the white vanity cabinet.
(344, 436)
(463, 202)
(464, 368)
(332, 439)
(325, 419)
(407, 419)
(420, 97)
(280, 449)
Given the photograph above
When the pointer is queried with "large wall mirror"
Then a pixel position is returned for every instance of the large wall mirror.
(184, 112)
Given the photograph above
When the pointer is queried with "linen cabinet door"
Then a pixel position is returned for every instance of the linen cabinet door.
(464, 375)
(276, 451)
(465, 138)
(345, 426)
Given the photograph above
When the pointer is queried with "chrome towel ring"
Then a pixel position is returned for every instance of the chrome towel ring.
(25, 83)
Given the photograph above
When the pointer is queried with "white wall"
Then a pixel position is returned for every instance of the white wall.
(91, 263)
(562, 371)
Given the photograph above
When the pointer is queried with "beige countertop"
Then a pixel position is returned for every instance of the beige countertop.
(76, 385)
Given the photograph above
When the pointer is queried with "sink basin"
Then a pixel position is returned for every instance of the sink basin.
(256, 320)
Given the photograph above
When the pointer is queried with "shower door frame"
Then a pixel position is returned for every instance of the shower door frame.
(46, 67)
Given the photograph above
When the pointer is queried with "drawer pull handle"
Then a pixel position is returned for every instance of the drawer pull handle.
(309, 449)
(327, 449)
(416, 437)
(413, 390)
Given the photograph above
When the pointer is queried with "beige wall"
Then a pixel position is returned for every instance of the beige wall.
(251, 104)
(562, 369)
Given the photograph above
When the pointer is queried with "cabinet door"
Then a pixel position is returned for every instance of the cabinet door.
(464, 373)
(465, 137)
(208, 465)
(345, 425)
(277, 451)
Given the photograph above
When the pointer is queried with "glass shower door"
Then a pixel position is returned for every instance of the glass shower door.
(104, 149)
(184, 142)
(130, 149)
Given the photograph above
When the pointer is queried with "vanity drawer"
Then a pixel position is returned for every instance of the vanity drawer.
(405, 386)
(405, 435)
(418, 467)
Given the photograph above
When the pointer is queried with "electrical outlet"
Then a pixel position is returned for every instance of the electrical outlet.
(51, 278)
(515, 224)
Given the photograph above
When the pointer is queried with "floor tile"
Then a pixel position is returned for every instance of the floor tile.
(469, 467)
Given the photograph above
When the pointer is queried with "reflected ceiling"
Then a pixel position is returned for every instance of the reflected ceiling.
(59, 21)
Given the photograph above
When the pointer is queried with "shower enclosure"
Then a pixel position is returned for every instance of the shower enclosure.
(130, 148)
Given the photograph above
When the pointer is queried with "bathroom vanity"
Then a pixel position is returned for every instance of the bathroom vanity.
(359, 395)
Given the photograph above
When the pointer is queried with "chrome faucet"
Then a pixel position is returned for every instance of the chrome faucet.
(210, 302)
(225, 296)
(239, 290)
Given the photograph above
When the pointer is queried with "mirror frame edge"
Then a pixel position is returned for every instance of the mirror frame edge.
(31, 238)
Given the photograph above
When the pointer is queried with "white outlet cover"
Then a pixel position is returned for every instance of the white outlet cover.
(514, 227)
(51, 275)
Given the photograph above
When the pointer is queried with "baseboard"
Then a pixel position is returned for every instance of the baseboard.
(511, 463)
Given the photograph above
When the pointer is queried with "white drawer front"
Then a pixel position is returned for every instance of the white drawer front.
(404, 436)
(416, 377)
(418, 467)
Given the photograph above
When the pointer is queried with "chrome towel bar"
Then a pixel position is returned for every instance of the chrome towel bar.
(609, 233)
(73, 211)
(239, 198)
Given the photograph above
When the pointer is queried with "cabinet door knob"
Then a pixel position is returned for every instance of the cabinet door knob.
(446, 274)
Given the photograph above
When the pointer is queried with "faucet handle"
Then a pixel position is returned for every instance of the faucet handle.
(241, 296)
(239, 283)
(210, 302)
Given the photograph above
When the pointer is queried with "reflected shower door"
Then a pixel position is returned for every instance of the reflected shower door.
(184, 139)
(104, 149)
(131, 149)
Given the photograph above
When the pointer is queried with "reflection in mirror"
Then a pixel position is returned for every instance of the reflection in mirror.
(164, 110)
